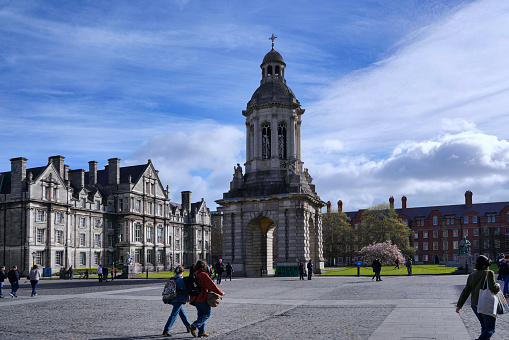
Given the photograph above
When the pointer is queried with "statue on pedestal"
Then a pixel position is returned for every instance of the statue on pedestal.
(464, 247)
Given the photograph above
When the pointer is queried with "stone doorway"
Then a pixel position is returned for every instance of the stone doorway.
(262, 246)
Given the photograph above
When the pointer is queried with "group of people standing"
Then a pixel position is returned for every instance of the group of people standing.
(102, 273)
(302, 270)
(197, 328)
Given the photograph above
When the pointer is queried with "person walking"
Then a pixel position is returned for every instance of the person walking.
(70, 272)
(310, 269)
(13, 276)
(503, 270)
(229, 271)
(377, 268)
(2, 278)
(100, 273)
(178, 302)
(219, 269)
(105, 273)
(397, 263)
(112, 273)
(475, 282)
(408, 265)
(200, 301)
(34, 275)
(302, 271)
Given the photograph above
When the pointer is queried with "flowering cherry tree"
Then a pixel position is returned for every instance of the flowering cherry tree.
(385, 251)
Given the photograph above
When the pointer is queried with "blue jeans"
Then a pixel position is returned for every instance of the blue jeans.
(506, 284)
(14, 287)
(1, 289)
(177, 310)
(487, 324)
(34, 285)
(204, 312)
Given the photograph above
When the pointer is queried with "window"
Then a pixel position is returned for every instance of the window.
(96, 258)
(445, 245)
(425, 234)
(160, 210)
(475, 244)
(97, 240)
(476, 231)
(281, 140)
(110, 225)
(169, 240)
(58, 236)
(120, 233)
(356, 226)
(507, 242)
(38, 257)
(82, 222)
(159, 235)
(120, 205)
(137, 233)
(446, 257)
(355, 237)
(405, 222)
(435, 233)
(455, 257)
(465, 219)
(455, 233)
(497, 244)
(177, 244)
(486, 244)
(266, 141)
(83, 259)
(82, 239)
(416, 258)
(109, 258)
(138, 204)
(435, 220)
(416, 234)
(420, 222)
(160, 256)
(449, 220)
(82, 202)
(149, 208)
(58, 218)
(416, 246)
(149, 234)
(424, 245)
(110, 240)
(149, 256)
(474, 219)
(454, 245)
(177, 258)
(97, 205)
(497, 231)
(491, 218)
(40, 235)
(55, 194)
(465, 232)
(39, 217)
(97, 222)
(435, 245)
(137, 256)
(445, 233)
(355, 247)
(59, 255)
(425, 258)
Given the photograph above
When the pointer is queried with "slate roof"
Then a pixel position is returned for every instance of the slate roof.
(134, 171)
(5, 178)
(272, 56)
(448, 210)
(272, 91)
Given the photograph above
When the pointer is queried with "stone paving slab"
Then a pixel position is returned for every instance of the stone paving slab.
(419, 307)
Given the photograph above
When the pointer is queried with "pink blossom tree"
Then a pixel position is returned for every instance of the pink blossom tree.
(385, 251)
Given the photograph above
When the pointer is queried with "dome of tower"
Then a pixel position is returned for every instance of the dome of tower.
(272, 92)
(273, 56)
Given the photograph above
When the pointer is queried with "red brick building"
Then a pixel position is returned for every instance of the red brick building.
(437, 230)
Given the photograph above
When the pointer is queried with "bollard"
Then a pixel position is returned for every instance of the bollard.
(358, 271)
(147, 273)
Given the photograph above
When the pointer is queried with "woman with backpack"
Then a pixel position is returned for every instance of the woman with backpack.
(178, 302)
(200, 301)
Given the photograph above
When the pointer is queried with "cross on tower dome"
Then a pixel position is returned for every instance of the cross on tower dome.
(273, 38)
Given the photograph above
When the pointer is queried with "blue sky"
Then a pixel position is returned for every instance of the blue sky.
(402, 97)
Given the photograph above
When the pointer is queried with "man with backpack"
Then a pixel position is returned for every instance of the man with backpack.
(175, 293)
(13, 276)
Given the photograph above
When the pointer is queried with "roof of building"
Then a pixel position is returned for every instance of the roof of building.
(272, 92)
(134, 172)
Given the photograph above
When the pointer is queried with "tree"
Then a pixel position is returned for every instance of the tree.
(337, 231)
(381, 223)
(385, 251)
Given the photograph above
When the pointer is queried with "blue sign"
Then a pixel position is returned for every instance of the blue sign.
(359, 263)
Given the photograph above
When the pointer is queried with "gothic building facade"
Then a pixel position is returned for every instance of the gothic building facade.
(56, 217)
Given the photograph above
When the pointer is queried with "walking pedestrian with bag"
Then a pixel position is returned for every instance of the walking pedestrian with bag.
(480, 278)
(34, 275)
(13, 276)
(180, 299)
(200, 301)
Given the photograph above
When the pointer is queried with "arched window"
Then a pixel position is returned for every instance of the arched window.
(281, 140)
(266, 141)
(277, 71)
(269, 70)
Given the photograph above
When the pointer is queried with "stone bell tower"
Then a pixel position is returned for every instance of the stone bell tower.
(272, 214)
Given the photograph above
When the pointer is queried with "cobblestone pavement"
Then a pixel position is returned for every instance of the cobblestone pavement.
(417, 307)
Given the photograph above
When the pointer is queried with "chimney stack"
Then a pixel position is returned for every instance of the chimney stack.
(403, 202)
(58, 163)
(77, 178)
(340, 206)
(92, 173)
(468, 198)
(18, 175)
(391, 202)
(113, 171)
(186, 201)
(329, 204)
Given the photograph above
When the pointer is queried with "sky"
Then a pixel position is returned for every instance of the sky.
(402, 97)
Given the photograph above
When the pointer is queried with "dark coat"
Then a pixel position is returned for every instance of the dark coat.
(2, 275)
(377, 266)
(13, 275)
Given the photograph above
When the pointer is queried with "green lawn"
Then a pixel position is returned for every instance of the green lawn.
(160, 275)
(425, 269)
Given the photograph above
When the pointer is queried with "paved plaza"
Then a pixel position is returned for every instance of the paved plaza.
(417, 307)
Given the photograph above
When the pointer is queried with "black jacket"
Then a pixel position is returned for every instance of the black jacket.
(13, 275)
(2, 275)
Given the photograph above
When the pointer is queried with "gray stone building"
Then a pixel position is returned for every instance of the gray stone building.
(271, 214)
(56, 217)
